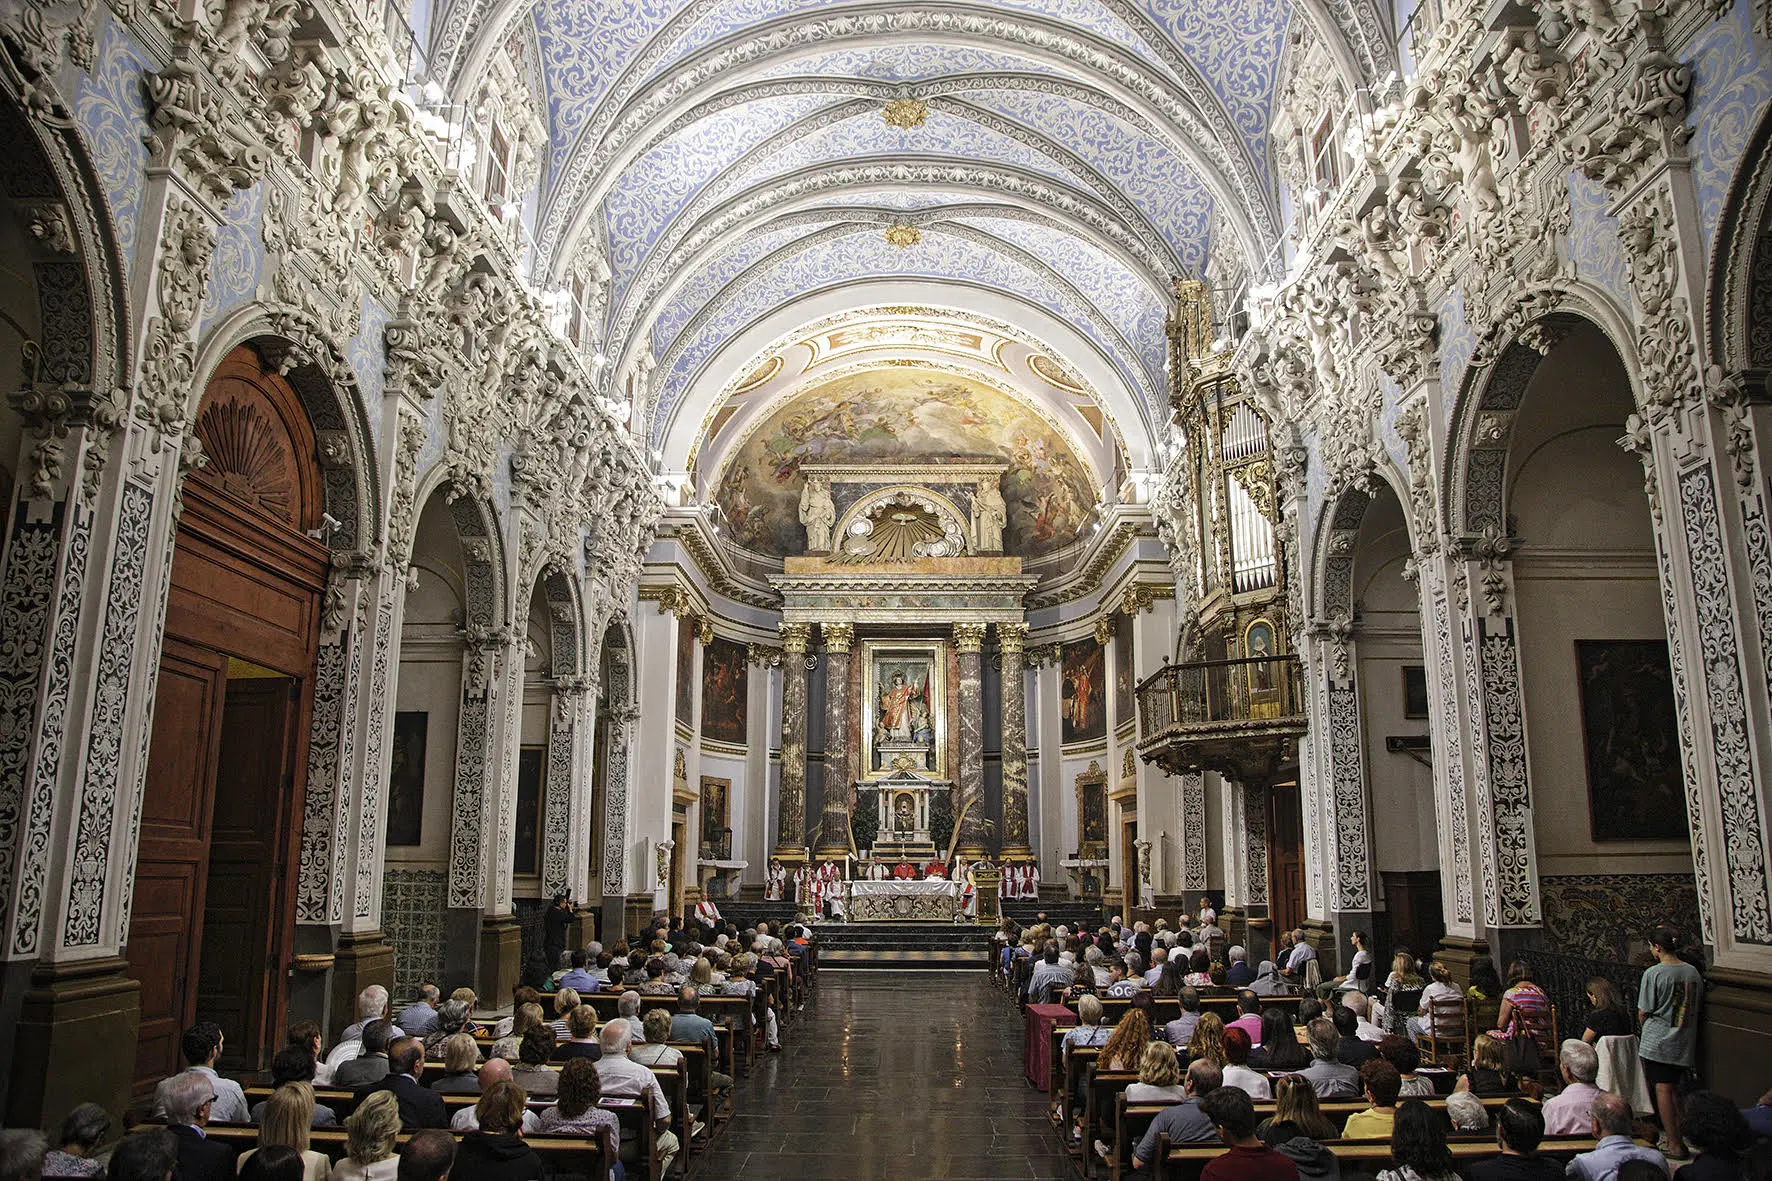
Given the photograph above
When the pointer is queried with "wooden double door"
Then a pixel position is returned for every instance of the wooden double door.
(212, 925)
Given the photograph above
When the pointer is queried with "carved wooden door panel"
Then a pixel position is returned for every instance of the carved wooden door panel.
(173, 854)
(1285, 858)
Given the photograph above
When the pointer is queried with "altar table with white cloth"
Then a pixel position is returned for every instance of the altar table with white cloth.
(931, 899)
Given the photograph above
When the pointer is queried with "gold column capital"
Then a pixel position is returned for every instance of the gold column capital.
(795, 637)
(969, 637)
(1013, 639)
(837, 636)
(704, 630)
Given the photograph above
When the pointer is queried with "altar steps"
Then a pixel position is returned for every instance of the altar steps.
(1068, 914)
(903, 946)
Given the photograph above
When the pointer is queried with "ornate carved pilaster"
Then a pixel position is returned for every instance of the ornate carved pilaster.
(469, 832)
(1012, 640)
(565, 724)
(790, 822)
(969, 640)
(834, 840)
(1193, 832)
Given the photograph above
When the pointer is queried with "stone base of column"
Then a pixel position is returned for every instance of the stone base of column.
(581, 931)
(1320, 934)
(830, 851)
(637, 912)
(1737, 1017)
(1232, 922)
(974, 851)
(1458, 954)
(359, 959)
(1258, 937)
(788, 855)
(501, 958)
(1017, 853)
(75, 1042)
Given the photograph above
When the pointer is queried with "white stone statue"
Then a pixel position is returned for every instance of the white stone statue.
(989, 516)
(817, 514)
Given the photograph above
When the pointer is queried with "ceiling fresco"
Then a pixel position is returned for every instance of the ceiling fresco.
(906, 414)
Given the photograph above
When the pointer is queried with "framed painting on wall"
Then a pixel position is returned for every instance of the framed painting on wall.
(1124, 676)
(904, 707)
(716, 797)
(1415, 704)
(406, 779)
(685, 670)
(725, 684)
(1092, 817)
(530, 763)
(1082, 702)
(1634, 785)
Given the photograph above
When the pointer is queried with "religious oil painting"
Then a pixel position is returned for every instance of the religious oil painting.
(910, 415)
(406, 780)
(716, 837)
(1124, 676)
(904, 698)
(1082, 702)
(531, 763)
(725, 682)
(1635, 791)
(685, 671)
(1092, 812)
(1415, 702)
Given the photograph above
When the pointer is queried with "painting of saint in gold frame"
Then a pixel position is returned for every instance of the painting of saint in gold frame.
(904, 707)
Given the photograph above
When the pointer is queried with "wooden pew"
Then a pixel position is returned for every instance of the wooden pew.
(1183, 1162)
(560, 1154)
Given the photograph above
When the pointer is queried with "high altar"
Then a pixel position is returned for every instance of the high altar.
(907, 561)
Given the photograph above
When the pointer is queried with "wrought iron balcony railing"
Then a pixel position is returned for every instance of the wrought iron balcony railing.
(1241, 718)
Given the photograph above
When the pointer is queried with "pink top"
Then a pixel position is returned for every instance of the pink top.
(1249, 1023)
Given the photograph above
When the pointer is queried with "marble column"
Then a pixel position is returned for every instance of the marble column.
(969, 639)
(790, 822)
(833, 839)
(1012, 638)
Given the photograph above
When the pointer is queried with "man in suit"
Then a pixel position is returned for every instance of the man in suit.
(189, 1097)
(371, 1065)
(420, 1107)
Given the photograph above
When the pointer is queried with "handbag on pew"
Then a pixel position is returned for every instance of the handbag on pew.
(1524, 1057)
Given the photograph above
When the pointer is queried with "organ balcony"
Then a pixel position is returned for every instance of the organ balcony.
(1240, 718)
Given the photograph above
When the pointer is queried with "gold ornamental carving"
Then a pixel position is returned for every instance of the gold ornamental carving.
(795, 638)
(906, 114)
(838, 637)
(766, 655)
(904, 236)
(671, 600)
(1038, 654)
(704, 631)
(1104, 630)
(969, 637)
(1012, 638)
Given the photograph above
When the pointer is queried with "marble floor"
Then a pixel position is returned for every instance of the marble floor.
(888, 1076)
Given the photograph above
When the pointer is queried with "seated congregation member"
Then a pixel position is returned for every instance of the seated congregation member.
(1246, 1159)
(495, 1070)
(420, 1017)
(306, 1035)
(1360, 1005)
(531, 1071)
(1159, 1076)
(1238, 974)
(428, 1156)
(1716, 1129)
(690, 1027)
(565, 1000)
(1199, 969)
(656, 1050)
(1297, 1113)
(1184, 1122)
(1611, 1126)
(494, 1150)
(627, 1007)
(1569, 1112)
(371, 1065)
(1379, 1080)
(288, 1118)
(624, 1078)
(1439, 987)
(370, 1135)
(526, 1018)
(1280, 1048)
(1124, 1050)
(1524, 1006)
(1248, 1016)
(461, 1058)
(1519, 1127)
(1355, 978)
(420, 1107)
(1466, 1112)
(507, 1026)
(1329, 1078)
(1403, 1054)
(1486, 1075)
(1302, 953)
(739, 982)
(581, 1039)
(1418, 1146)
(1049, 973)
(22, 1153)
(1207, 1044)
(1180, 1031)
(84, 1129)
(452, 1019)
(579, 977)
(1350, 1048)
(1154, 973)
(1608, 1017)
(468, 1000)
(144, 1156)
(200, 1046)
(190, 1099)
(575, 1111)
(372, 1005)
(294, 1064)
(1236, 1066)
(1267, 980)
(1091, 1029)
(274, 1162)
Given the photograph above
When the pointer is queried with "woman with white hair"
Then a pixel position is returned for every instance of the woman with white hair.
(1467, 1112)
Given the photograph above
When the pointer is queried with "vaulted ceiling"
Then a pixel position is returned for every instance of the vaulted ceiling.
(1066, 159)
